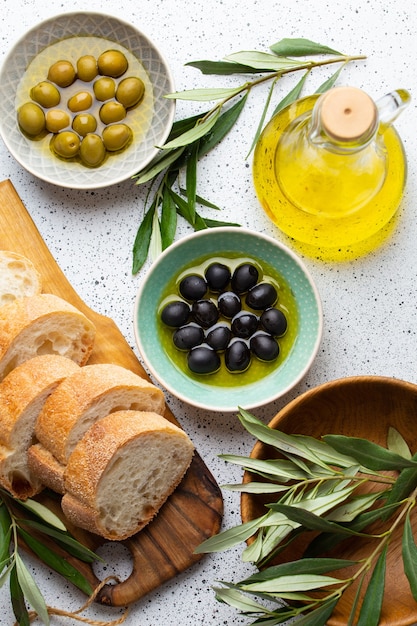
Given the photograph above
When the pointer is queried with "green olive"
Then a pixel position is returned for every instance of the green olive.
(31, 119)
(130, 91)
(117, 136)
(65, 144)
(62, 73)
(112, 63)
(45, 94)
(56, 120)
(104, 88)
(111, 112)
(87, 68)
(92, 150)
(84, 123)
(80, 101)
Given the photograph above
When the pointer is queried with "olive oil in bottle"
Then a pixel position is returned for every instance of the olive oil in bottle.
(330, 171)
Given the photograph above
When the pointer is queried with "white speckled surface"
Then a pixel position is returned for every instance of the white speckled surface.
(369, 305)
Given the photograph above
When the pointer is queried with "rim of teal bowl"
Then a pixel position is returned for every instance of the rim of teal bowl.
(261, 392)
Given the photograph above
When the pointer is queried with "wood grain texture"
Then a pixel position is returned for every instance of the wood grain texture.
(363, 406)
(194, 511)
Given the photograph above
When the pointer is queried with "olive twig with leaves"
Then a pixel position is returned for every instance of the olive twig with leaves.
(192, 138)
(31, 523)
(317, 483)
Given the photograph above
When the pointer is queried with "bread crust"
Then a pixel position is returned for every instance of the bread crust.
(44, 465)
(22, 394)
(89, 394)
(91, 461)
(28, 323)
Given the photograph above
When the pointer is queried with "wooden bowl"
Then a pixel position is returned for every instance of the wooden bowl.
(364, 406)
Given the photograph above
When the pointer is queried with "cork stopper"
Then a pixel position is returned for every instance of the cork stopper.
(348, 114)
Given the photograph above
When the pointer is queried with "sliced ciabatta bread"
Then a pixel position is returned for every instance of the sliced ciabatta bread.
(122, 471)
(18, 277)
(22, 396)
(81, 399)
(43, 324)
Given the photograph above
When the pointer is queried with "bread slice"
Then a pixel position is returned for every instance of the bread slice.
(43, 324)
(81, 399)
(122, 471)
(22, 395)
(18, 277)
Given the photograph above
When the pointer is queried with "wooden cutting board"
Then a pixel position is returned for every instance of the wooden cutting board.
(194, 511)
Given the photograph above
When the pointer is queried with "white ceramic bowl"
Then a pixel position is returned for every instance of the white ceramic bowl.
(116, 34)
(206, 391)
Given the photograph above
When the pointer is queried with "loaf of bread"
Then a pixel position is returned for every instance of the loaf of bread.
(43, 324)
(122, 471)
(80, 400)
(18, 277)
(22, 395)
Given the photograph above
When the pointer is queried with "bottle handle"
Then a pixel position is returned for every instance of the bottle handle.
(391, 105)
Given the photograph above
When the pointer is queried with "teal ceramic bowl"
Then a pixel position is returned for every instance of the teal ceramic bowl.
(261, 383)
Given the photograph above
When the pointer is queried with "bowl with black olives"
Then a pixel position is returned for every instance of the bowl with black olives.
(82, 100)
(228, 318)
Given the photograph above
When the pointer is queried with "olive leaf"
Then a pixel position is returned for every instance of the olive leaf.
(262, 61)
(238, 600)
(319, 616)
(40, 510)
(254, 487)
(409, 555)
(328, 84)
(372, 602)
(396, 443)
(204, 95)
(282, 585)
(31, 590)
(277, 468)
(56, 562)
(189, 136)
(292, 95)
(18, 600)
(313, 522)
(72, 546)
(300, 47)
(220, 68)
(230, 537)
(302, 566)
(368, 453)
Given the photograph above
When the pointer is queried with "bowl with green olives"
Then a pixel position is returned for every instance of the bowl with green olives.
(227, 318)
(82, 100)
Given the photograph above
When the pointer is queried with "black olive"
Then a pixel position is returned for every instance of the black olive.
(193, 287)
(244, 277)
(217, 276)
(205, 313)
(219, 336)
(188, 337)
(261, 296)
(229, 304)
(244, 324)
(203, 360)
(175, 313)
(264, 346)
(237, 356)
(274, 322)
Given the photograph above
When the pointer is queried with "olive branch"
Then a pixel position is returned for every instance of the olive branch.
(317, 484)
(29, 522)
(172, 175)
